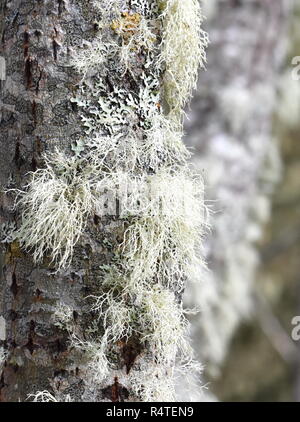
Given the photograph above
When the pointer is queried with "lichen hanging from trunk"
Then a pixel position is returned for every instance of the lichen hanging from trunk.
(134, 79)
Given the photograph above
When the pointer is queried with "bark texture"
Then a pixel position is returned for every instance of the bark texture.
(36, 112)
(79, 72)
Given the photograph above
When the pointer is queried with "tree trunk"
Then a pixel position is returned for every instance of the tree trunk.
(91, 299)
(36, 111)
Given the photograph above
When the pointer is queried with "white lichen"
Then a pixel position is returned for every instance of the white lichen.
(63, 316)
(89, 58)
(46, 397)
(183, 49)
(115, 314)
(55, 205)
(163, 240)
(42, 396)
(96, 364)
(130, 149)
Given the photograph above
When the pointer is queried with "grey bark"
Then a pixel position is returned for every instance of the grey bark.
(36, 40)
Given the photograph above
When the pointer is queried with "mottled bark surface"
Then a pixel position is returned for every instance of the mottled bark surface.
(109, 326)
(36, 116)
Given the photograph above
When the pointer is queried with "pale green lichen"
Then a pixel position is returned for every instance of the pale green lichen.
(46, 397)
(183, 50)
(90, 56)
(132, 148)
(94, 358)
(63, 316)
(54, 206)
(42, 396)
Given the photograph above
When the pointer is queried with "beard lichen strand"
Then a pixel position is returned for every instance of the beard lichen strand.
(46, 397)
(129, 139)
(55, 205)
(182, 33)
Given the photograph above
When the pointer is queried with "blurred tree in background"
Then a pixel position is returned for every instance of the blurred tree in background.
(244, 129)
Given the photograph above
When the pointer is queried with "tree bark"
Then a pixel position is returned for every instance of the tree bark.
(35, 111)
(53, 52)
